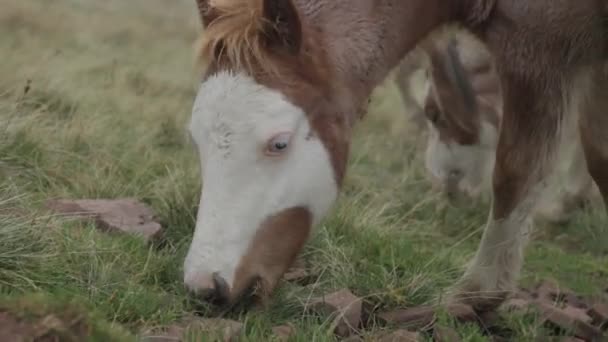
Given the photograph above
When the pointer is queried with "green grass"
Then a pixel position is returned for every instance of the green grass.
(94, 98)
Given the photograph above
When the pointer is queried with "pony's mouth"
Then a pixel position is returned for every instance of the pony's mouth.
(221, 301)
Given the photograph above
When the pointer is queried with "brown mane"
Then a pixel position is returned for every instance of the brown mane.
(235, 36)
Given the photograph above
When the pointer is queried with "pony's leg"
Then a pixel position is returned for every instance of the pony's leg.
(594, 128)
(573, 189)
(533, 109)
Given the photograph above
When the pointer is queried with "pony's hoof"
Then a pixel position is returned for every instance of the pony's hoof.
(481, 300)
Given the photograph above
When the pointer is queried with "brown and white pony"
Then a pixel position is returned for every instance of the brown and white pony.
(286, 80)
(462, 109)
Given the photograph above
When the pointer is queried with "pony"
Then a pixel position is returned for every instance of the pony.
(283, 83)
(462, 111)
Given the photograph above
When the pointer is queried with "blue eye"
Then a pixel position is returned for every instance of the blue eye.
(280, 146)
(278, 143)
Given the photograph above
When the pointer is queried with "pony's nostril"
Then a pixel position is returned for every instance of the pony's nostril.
(222, 292)
(455, 174)
(205, 294)
(211, 288)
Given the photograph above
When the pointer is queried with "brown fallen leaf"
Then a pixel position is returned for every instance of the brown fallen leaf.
(344, 306)
(422, 316)
(576, 301)
(551, 290)
(599, 314)
(570, 339)
(125, 215)
(567, 321)
(578, 314)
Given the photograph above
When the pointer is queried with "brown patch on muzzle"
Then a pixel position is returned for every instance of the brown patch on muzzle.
(274, 248)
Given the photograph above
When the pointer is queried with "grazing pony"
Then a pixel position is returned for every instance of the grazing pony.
(285, 81)
(462, 109)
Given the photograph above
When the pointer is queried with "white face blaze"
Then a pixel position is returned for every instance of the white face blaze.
(462, 169)
(258, 158)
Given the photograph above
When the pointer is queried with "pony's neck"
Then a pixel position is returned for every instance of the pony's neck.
(366, 39)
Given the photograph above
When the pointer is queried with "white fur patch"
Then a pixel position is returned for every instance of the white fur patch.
(232, 120)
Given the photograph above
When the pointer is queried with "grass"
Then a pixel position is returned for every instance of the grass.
(94, 98)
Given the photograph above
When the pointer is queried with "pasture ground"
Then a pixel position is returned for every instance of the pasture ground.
(94, 97)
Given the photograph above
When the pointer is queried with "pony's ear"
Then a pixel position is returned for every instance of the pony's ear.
(206, 12)
(285, 29)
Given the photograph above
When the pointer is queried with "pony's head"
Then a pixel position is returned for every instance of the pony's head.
(272, 143)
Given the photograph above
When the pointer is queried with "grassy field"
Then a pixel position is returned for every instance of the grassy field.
(94, 97)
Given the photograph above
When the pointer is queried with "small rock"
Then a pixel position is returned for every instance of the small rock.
(345, 306)
(353, 338)
(599, 314)
(124, 215)
(400, 336)
(445, 334)
(567, 321)
(283, 332)
(416, 317)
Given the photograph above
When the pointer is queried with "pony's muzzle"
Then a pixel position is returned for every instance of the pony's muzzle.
(211, 288)
(452, 183)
